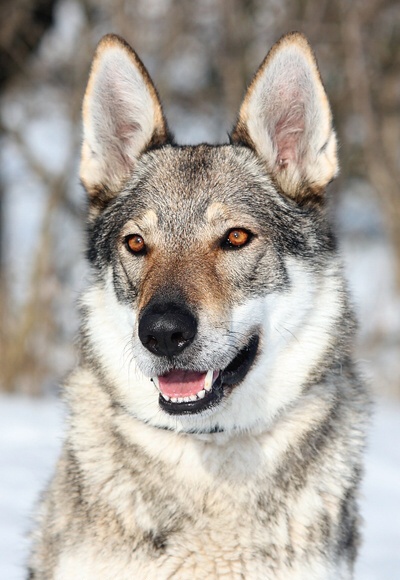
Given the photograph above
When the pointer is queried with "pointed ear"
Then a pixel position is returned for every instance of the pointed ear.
(122, 117)
(286, 119)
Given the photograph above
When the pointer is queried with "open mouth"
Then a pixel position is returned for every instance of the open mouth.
(187, 392)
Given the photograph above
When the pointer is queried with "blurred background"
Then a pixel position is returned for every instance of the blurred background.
(201, 55)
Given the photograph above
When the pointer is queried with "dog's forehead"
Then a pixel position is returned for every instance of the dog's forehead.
(202, 182)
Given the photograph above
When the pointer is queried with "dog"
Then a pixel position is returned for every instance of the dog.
(216, 418)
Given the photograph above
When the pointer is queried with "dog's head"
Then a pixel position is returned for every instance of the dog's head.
(216, 289)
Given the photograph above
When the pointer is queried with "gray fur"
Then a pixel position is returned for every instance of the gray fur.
(262, 486)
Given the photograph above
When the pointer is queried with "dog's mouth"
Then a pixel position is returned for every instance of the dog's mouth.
(184, 392)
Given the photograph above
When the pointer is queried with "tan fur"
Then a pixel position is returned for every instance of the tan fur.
(218, 477)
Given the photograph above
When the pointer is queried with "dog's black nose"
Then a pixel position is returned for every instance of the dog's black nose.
(166, 329)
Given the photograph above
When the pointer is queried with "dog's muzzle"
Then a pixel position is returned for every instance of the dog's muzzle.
(166, 329)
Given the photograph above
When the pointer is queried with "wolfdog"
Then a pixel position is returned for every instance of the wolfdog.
(216, 419)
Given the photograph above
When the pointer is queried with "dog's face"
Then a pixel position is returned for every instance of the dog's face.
(216, 291)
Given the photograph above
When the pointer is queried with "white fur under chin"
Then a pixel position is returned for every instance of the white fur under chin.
(296, 332)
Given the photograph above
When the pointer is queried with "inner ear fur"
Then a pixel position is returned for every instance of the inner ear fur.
(122, 118)
(286, 119)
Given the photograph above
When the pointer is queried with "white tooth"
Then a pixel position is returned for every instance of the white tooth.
(180, 399)
(201, 395)
(165, 397)
(209, 380)
(186, 399)
(193, 398)
(155, 381)
(174, 399)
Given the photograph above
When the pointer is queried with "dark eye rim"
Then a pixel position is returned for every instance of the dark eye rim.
(227, 245)
(129, 249)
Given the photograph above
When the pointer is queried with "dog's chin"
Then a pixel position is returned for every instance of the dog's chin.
(213, 386)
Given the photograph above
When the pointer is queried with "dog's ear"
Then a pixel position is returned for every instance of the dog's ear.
(122, 118)
(286, 119)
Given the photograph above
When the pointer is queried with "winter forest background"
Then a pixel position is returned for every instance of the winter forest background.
(201, 55)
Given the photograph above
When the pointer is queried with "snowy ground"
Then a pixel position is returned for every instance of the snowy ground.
(30, 436)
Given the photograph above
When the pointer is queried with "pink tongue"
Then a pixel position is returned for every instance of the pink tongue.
(179, 383)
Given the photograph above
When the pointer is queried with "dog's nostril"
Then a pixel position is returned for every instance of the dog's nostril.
(152, 342)
(179, 339)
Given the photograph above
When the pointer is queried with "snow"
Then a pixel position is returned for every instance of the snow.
(380, 555)
(30, 439)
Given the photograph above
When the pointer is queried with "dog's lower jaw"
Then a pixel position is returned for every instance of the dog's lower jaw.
(223, 384)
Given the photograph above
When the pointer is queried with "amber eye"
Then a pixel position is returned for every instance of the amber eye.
(135, 243)
(237, 238)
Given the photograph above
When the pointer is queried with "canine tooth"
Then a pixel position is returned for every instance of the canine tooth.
(165, 396)
(208, 381)
(201, 395)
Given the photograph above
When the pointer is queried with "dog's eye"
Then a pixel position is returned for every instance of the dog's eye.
(135, 243)
(236, 238)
